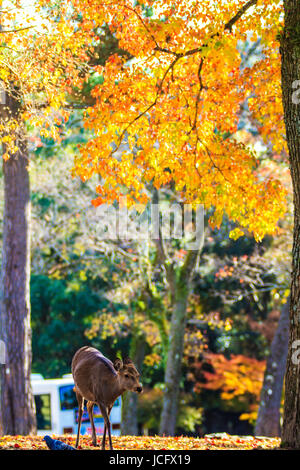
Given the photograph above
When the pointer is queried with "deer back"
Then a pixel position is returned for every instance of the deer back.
(92, 373)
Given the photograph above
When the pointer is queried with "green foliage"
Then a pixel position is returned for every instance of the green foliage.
(150, 406)
(189, 417)
(61, 311)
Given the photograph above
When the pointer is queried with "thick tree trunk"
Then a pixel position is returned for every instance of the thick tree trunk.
(290, 56)
(174, 360)
(268, 419)
(129, 426)
(17, 404)
(180, 288)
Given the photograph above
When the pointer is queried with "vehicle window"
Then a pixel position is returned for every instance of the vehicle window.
(43, 410)
(67, 397)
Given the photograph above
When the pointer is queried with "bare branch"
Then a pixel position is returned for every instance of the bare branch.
(15, 30)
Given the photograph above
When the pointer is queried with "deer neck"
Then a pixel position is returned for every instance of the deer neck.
(115, 388)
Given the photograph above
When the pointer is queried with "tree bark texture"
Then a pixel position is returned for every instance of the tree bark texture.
(17, 411)
(174, 361)
(290, 60)
(268, 418)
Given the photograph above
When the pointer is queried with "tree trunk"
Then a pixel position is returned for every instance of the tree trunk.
(17, 404)
(290, 57)
(129, 426)
(268, 419)
(179, 281)
(174, 360)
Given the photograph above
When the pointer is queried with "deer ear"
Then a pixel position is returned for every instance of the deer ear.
(118, 364)
(127, 360)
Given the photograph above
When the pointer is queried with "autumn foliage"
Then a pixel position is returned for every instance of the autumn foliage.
(42, 60)
(166, 113)
(217, 442)
(239, 377)
(170, 113)
(168, 107)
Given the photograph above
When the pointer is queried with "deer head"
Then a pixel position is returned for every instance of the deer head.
(128, 375)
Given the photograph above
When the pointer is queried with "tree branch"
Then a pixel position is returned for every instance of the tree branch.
(15, 30)
(228, 26)
(239, 14)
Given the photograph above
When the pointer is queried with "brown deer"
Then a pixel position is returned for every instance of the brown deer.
(101, 382)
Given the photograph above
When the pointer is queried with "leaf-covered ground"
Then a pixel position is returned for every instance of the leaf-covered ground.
(210, 442)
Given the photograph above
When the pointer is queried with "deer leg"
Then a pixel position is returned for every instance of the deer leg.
(103, 437)
(90, 406)
(104, 431)
(80, 401)
(107, 426)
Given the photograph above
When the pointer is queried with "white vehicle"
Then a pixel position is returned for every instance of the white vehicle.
(57, 408)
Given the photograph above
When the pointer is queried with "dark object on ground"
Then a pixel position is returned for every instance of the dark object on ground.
(54, 444)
